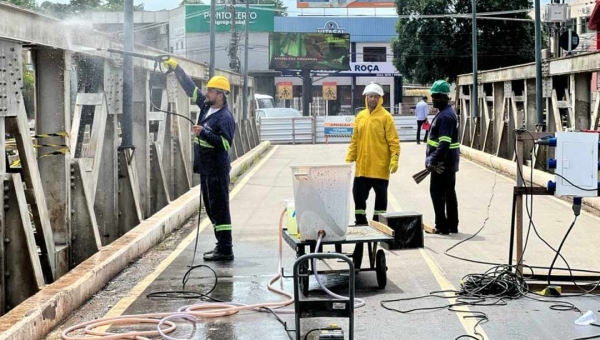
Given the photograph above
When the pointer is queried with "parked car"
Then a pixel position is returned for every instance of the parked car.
(263, 101)
(277, 112)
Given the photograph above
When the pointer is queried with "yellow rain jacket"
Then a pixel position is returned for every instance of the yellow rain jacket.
(374, 142)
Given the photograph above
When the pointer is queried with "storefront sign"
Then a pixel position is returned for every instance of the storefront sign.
(329, 90)
(330, 27)
(339, 126)
(345, 4)
(284, 90)
(260, 19)
(379, 69)
(373, 68)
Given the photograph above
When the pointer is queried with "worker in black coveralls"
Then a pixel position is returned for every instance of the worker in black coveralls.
(214, 136)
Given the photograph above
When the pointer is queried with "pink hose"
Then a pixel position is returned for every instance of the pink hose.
(199, 311)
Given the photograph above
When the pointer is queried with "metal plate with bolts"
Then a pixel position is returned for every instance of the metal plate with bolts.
(172, 87)
(547, 87)
(545, 68)
(113, 88)
(11, 78)
(507, 89)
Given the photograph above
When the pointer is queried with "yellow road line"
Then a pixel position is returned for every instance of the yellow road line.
(443, 282)
(120, 307)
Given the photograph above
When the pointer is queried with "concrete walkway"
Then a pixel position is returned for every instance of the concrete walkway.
(256, 203)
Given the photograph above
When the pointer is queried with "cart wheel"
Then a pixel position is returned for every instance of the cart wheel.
(357, 255)
(381, 269)
(304, 280)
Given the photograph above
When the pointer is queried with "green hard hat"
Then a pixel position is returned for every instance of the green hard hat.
(440, 86)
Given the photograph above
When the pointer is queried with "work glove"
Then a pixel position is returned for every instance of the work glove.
(170, 64)
(394, 164)
(438, 169)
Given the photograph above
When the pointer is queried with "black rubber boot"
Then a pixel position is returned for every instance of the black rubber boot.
(212, 251)
(442, 232)
(218, 255)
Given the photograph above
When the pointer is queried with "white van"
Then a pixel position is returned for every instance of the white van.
(263, 101)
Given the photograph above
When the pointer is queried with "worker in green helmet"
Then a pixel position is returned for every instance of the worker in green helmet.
(443, 154)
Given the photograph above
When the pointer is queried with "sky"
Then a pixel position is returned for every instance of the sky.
(154, 5)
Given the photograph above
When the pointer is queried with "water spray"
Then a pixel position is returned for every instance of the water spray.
(157, 59)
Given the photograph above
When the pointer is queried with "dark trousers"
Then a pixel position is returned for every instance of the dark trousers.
(360, 191)
(445, 203)
(419, 124)
(215, 193)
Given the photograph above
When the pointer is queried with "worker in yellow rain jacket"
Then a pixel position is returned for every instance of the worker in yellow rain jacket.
(375, 147)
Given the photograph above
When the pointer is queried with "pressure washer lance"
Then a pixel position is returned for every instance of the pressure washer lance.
(157, 59)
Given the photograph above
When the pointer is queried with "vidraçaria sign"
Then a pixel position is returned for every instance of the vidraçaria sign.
(260, 18)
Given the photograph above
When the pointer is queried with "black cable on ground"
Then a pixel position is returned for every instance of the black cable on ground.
(557, 252)
(529, 209)
(309, 332)
(560, 248)
(188, 294)
(283, 323)
(500, 282)
(590, 337)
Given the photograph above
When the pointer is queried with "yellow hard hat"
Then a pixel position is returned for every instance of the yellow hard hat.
(219, 83)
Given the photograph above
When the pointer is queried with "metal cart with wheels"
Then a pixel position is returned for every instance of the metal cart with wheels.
(307, 307)
(359, 236)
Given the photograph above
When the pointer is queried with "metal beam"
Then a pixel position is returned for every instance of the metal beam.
(141, 138)
(582, 100)
(36, 29)
(53, 115)
(85, 239)
(19, 127)
(106, 202)
(23, 271)
(580, 63)
(129, 210)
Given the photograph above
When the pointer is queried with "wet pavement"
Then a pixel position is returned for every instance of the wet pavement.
(256, 204)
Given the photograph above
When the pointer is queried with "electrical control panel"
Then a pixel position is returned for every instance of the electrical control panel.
(576, 172)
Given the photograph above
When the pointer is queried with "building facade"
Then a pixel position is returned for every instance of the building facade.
(371, 60)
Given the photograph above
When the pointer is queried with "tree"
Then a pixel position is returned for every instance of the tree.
(118, 6)
(28, 90)
(191, 2)
(29, 4)
(430, 49)
(78, 7)
(280, 8)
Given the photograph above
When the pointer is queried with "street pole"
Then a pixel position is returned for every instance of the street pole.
(213, 14)
(538, 64)
(245, 89)
(475, 94)
(127, 116)
(570, 39)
